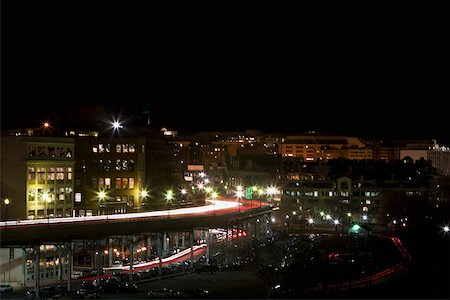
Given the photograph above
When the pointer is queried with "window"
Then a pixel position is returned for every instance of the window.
(119, 148)
(51, 152)
(69, 173)
(131, 148)
(31, 215)
(95, 183)
(107, 183)
(41, 174)
(77, 197)
(60, 174)
(118, 165)
(101, 183)
(41, 151)
(31, 174)
(50, 174)
(32, 151)
(131, 183)
(131, 165)
(60, 152)
(124, 148)
(118, 183)
(124, 183)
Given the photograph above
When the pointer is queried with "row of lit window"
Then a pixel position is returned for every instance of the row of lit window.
(49, 194)
(120, 148)
(50, 214)
(104, 183)
(129, 200)
(47, 151)
(49, 174)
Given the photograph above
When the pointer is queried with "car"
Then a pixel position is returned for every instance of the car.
(6, 288)
(30, 295)
(161, 293)
(195, 293)
(84, 293)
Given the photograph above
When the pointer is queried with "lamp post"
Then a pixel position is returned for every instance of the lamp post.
(101, 199)
(169, 197)
(6, 202)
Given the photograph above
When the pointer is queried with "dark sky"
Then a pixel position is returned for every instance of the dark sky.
(370, 68)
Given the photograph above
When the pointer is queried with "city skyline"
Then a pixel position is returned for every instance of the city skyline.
(372, 70)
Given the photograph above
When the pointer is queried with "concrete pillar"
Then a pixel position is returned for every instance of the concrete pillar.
(70, 265)
(165, 242)
(60, 262)
(176, 240)
(160, 250)
(37, 275)
(98, 257)
(207, 245)
(131, 257)
(191, 237)
(182, 240)
(149, 245)
(110, 251)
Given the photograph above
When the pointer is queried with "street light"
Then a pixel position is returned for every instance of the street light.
(6, 202)
(101, 197)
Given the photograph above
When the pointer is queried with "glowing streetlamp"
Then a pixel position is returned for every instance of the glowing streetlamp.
(349, 215)
(101, 195)
(6, 202)
(169, 195)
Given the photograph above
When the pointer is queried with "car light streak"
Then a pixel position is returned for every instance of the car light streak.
(212, 206)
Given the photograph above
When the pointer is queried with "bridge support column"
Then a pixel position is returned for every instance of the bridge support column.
(37, 273)
(131, 257)
(207, 245)
(149, 245)
(110, 251)
(160, 250)
(165, 242)
(182, 240)
(60, 261)
(191, 240)
(70, 265)
(98, 256)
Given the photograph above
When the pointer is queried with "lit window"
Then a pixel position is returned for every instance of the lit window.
(77, 197)
(131, 183)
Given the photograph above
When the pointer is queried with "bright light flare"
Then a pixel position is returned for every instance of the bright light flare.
(144, 194)
(169, 195)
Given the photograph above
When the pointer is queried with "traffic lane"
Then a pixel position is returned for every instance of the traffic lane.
(222, 285)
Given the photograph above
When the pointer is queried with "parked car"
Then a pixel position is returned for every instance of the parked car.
(30, 295)
(84, 293)
(6, 288)
(161, 293)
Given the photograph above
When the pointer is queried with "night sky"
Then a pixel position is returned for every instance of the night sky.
(368, 68)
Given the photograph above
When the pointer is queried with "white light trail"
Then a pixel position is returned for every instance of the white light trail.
(214, 205)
